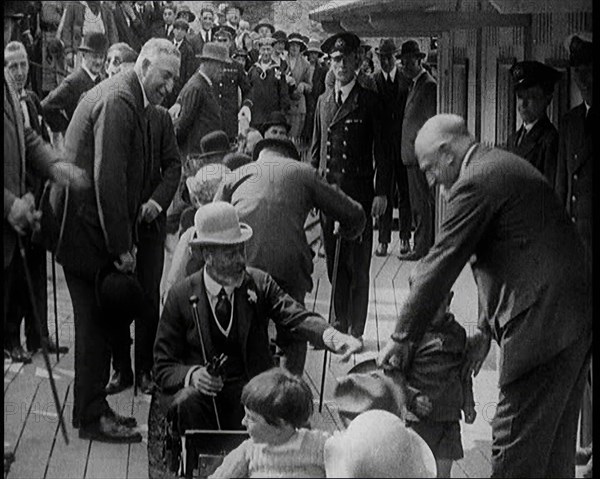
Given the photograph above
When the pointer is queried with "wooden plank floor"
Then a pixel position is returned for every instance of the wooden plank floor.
(31, 426)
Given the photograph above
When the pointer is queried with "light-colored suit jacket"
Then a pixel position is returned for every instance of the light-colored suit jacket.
(528, 263)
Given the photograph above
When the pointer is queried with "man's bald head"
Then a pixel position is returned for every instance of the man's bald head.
(440, 146)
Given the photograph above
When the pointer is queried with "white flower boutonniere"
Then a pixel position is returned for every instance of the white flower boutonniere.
(252, 296)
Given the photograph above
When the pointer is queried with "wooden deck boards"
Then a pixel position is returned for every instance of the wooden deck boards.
(31, 426)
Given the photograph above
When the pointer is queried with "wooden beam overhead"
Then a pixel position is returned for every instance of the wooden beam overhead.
(417, 23)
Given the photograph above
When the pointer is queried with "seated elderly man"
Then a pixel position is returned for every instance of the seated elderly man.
(233, 305)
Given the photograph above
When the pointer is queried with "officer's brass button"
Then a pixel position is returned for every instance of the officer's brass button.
(573, 219)
(575, 176)
(344, 156)
(573, 198)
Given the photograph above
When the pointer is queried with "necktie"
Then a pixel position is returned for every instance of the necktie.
(339, 98)
(522, 134)
(223, 309)
(389, 81)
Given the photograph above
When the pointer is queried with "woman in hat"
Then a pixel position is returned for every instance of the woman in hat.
(299, 83)
(316, 73)
(280, 46)
(264, 28)
(268, 87)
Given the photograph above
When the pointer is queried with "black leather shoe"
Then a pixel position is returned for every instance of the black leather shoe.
(127, 421)
(404, 246)
(108, 429)
(52, 349)
(19, 355)
(119, 382)
(145, 383)
(381, 250)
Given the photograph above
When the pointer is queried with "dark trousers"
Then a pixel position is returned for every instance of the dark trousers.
(149, 268)
(422, 204)
(92, 359)
(400, 188)
(535, 427)
(351, 298)
(17, 303)
(188, 408)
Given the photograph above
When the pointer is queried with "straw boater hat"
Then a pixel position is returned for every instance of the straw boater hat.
(378, 444)
(218, 224)
(264, 23)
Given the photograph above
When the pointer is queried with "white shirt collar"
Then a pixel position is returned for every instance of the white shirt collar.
(146, 102)
(467, 159)
(587, 108)
(529, 126)
(213, 288)
(91, 75)
(391, 74)
(346, 89)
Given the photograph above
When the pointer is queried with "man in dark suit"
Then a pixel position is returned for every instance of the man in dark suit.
(276, 206)
(574, 174)
(346, 144)
(166, 29)
(533, 289)
(234, 304)
(392, 87)
(421, 104)
(205, 34)
(197, 107)
(125, 19)
(537, 139)
(59, 105)
(17, 67)
(110, 139)
(188, 60)
(317, 77)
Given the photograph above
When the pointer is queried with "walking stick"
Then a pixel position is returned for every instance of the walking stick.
(44, 341)
(55, 306)
(336, 261)
(194, 302)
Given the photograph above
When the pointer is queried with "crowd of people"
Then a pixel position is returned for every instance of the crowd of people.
(167, 171)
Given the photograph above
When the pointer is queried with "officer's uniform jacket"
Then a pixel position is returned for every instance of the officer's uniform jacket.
(227, 94)
(345, 140)
(574, 174)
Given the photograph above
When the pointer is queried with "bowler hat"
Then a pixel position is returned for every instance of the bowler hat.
(342, 43)
(386, 47)
(411, 47)
(235, 160)
(531, 73)
(378, 444)
(313, 47)
(223, 30)
(580, 49)
(218, 223)
(94, 42)
(214, 51)
(264, 23)
(275, 118)
(299, 39)
(184, 10)
(118, 294)
(288, 145)
(214, 142)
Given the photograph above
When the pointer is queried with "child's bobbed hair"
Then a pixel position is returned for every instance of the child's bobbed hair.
(277, 395)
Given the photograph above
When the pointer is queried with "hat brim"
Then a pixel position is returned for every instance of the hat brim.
(189, 14)
(206, 58)
(91, 50)
(268, 25)
(211, 153)
(313, 50)
(411, 54)
(200, 240)
(385, 52)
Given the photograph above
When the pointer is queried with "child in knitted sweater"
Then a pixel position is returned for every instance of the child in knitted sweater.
(278, 405)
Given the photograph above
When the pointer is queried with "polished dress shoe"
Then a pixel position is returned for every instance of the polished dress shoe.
(119, 382)
(381, 249)
(108, 429)
(404, 246)
(19, 355)
(145, 383)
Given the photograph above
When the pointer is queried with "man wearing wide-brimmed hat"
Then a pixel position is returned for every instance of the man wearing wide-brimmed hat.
(421, 104)
(59, 105)
(298, 78)
(200, 112)
(316, 73)
(392, 88)
(537, 138)
(234, 304)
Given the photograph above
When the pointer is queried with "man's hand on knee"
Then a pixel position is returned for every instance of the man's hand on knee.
(205, 382)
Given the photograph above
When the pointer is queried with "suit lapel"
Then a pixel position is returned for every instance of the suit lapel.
(348, 106)
(330, 106)
(532, 137)
(205, 314)
(14, 108)
(243, 311)
(415, 88)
